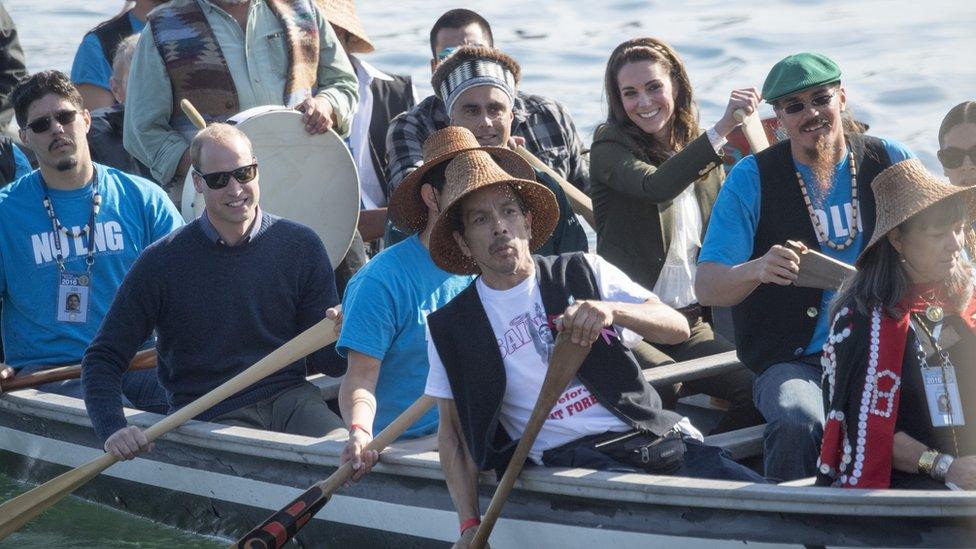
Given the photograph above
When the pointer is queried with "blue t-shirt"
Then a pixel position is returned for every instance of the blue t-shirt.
(735, 215)
(91, 65)
(386, 306)
(134, 213)
(21, 163)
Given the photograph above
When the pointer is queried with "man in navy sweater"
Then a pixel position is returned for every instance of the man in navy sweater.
(221, 293)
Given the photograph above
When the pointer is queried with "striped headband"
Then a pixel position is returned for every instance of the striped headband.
(476, 72)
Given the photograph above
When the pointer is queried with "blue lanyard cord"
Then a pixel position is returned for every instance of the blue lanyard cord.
(87, 230)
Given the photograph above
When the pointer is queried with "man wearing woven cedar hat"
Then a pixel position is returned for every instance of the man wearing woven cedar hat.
(489, 347)
(814, 188)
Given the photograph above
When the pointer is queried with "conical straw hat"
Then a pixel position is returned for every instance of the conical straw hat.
(342, 13)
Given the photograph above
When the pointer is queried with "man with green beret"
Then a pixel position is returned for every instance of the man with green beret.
(813, 188)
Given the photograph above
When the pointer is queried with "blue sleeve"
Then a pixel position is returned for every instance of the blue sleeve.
(370, 323)
(897, 151)
(164, 216)
(734, 217)
(91, 65)
(22, 163)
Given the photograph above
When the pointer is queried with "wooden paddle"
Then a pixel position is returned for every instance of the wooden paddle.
(22, 509)
(818, 270)
(144, 360)
(567, 357)
(193, 114)
(577, 199)
(285, 523)
(752, 128)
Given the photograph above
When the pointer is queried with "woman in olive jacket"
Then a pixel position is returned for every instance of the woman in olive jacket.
(654, 177)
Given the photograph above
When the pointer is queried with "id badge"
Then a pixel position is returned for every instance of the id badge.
(943, 397)
(73, 293)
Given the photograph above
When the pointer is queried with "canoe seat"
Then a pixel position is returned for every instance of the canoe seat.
(741, 443)
(328, 385)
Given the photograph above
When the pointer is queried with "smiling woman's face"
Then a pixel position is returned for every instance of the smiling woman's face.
(958, 154)
(647, 94)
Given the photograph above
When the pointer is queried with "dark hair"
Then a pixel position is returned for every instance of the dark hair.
(684, 121)
(37, 86)
(881, 279)
(457, 19)
(457, 219)
(962, 113)
(436, 177)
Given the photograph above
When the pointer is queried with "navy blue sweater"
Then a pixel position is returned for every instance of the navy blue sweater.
(216, 311)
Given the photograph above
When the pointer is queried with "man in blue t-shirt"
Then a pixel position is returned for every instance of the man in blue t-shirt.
(69, 232)
(814, 188)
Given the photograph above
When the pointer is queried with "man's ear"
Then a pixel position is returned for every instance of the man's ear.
(462, 244)
(429, 196)
(198, 182)
(433, 65)
(528, 222)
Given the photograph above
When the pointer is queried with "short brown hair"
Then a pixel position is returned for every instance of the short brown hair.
(215, 133)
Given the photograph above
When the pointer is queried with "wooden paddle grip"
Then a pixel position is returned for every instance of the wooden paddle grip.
(193, 114)
(143, 360)
(753, 129)
(581, 203)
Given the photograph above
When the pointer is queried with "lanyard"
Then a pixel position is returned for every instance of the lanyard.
(61, 229)
(944, 363)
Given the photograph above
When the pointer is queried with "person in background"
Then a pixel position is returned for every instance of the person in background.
(478, 86)
(813, 188)
(898, 376)
(957, 144)
(13, 67)
(105, 137)
(655, 175)
(93, 66)
(198, 50)
(70, 227)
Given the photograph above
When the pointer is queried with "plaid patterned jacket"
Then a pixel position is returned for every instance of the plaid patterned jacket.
(549, 133)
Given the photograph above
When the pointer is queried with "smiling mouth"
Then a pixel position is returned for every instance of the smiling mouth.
(649, 115)
(237, 203)
(815, 125)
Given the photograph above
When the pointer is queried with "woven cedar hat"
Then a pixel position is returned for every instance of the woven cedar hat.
(342, 14)
(407, 209)
(469, 172)
(904, 189)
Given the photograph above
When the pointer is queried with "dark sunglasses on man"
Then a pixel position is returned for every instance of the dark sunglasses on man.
(43, 124)
(219, 180)
(952, 157)
(822, 100)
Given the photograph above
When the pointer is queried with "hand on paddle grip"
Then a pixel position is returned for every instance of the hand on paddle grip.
(466, 538)
(780, 265)
(362, 461)
(128, 442)
(585, 321)
(335, 314)
(319, 116)
(746, 100)
(6, 372)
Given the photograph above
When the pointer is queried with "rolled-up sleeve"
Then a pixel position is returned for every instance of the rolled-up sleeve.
(147, 134)
(336, 78)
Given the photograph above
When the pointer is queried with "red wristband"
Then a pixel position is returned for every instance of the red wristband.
(355, 426)
(465, 524)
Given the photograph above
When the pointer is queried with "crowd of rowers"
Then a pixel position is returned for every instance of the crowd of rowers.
(484, 260)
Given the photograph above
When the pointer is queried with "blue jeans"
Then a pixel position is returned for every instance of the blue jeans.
(140, 389)
(788, 395)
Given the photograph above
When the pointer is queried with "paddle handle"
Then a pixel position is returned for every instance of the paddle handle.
(284, 524)
(752, 128)
(143, 360)
(193, 114)
(567, 357)
(577, 199)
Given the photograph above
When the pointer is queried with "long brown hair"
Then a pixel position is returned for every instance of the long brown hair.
(881, 279)
(962, 113)
(684, 121)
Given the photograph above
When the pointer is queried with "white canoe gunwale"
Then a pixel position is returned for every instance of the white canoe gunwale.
(410, 485)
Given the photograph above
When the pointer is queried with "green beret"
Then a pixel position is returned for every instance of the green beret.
(799, 72)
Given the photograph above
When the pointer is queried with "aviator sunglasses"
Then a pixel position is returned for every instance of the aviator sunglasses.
(817, 101)
(43, 124)
(952, 157)
(219, 180)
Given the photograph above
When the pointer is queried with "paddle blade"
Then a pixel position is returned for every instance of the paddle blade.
(17, 512)
(283, 525)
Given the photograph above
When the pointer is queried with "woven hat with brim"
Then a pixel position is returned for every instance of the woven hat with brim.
(342, 14)
(467, 173)
(407, 209)
(799, 72)
(903, 190)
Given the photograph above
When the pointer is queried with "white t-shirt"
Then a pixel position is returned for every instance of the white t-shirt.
(519, 321)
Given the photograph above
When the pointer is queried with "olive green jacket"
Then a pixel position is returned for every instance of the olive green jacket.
(632, 198)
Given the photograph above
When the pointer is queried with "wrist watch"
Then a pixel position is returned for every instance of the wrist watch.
(926, 461)
(941, 468)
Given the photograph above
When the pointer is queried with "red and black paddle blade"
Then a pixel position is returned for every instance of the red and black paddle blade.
(280, 527)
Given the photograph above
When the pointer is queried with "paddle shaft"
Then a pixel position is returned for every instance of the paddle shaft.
(567, 357)
(577, 199)
(284, 524)
(143, 360)
(193, 114)
(753, 129)
(18, 511)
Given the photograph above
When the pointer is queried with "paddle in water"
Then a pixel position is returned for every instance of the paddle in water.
(566, 359)
(22, 509)
(284, 524)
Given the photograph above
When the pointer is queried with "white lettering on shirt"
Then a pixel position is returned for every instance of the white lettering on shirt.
(107, 237)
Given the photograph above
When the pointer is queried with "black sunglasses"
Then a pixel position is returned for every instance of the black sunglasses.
(219, 180)
(952, 157)
(43, 124)
(818, 101)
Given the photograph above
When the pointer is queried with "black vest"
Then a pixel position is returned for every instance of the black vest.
(390, 98)
(105, 142)
(467, 346)
(8, 166)
(773, 324)
(112, 32)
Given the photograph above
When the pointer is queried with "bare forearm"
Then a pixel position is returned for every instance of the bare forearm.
(905, 453)
(652, 320)
(718, 285)
(460, 471)
(357, 394)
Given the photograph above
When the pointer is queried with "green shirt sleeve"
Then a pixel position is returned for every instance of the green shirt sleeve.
(336, 78)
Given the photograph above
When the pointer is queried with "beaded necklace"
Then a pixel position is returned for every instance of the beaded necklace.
(822, 233)
(946, 366)
(71, 233)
